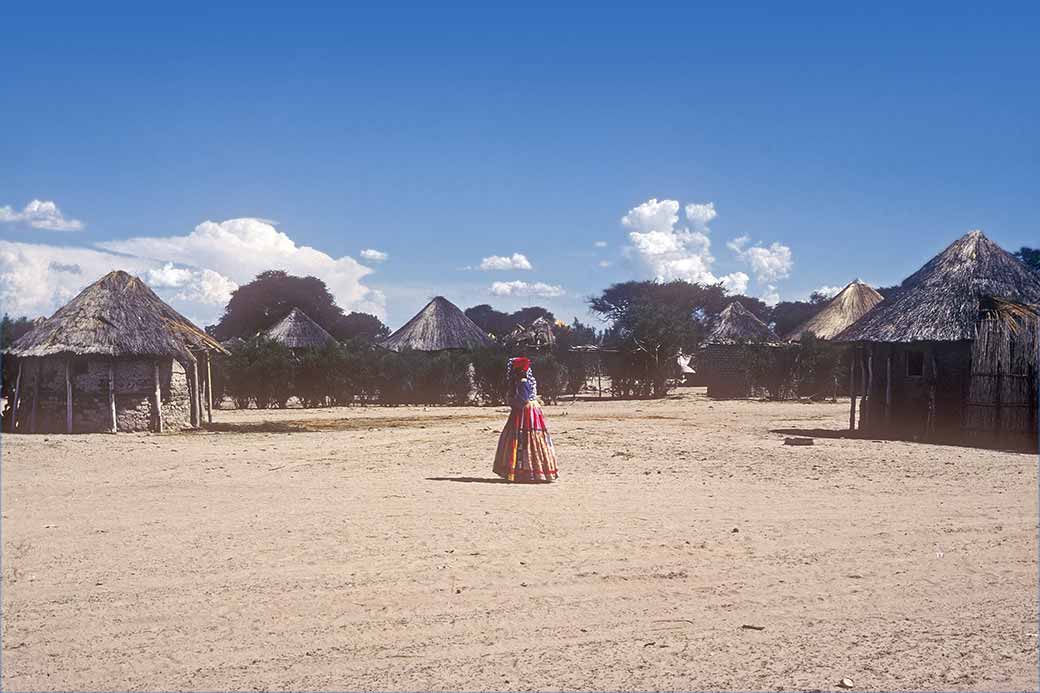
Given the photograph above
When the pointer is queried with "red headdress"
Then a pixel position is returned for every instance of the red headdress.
(521, 364)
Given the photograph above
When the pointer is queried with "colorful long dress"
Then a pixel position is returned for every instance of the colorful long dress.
(525, 448)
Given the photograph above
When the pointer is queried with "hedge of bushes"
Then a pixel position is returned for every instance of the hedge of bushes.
(265, 374)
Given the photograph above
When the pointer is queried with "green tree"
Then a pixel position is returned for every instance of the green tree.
(1030, 256)
(261, 303)
(651, 322)
(490, 320)
(12, 330)
(361, 326)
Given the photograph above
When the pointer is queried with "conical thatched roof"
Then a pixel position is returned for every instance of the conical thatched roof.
(852, 303)
(438, 326)
(297, 331)
(736, 324)
(118, 315)
(940, 302)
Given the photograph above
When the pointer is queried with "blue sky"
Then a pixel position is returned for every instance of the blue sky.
(832, 143)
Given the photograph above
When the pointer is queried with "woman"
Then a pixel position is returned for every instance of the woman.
(525, 449)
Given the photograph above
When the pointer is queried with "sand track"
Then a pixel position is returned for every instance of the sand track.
(348, 555)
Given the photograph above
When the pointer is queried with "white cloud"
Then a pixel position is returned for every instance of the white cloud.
(40, 214)
(771, 296)
(605, 263)
(768, 263)
(498, 262)
(37, 279)
(700, 215)
(195, 272)
(600, 244)
(239, 249)
(519, 288)
(199, 286)
(373, 255)
(829, 291)
(735, 283)
(676, 253)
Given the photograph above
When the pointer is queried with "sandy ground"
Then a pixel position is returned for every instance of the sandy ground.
(376, 551)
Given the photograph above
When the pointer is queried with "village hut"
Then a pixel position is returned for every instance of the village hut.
(115, 358)
(954, 354)
(736, 340)
(439, 326)
(297, 331)
(849, 305)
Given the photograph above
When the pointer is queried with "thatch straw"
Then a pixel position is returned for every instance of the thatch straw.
(437, 327)
(738, 325)
(941, 301)
(297, 331)
(852, 303)
(118, 315)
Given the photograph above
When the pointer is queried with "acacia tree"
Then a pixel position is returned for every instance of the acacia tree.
(490, 320)
(361, 327)
(1030, 256)
(651, 322)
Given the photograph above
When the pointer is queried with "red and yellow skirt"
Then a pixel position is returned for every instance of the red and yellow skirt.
(525, 448)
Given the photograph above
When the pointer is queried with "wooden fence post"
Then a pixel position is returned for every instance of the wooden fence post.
(209, 390)
(888, 389)
(196, 395)
(68, 396)
(36, 396)
(852, 389)
(112, 394)
(17, 393)
(158, 401)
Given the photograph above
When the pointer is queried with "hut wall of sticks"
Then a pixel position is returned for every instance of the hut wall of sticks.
(737, 341)
(954, 356)
(115, 358)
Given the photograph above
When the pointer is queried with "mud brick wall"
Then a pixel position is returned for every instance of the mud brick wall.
(134, 381)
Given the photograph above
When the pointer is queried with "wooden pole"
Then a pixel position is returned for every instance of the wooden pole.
(931, 390)
(209, 390)
(68, 397)
(599, 375)
(888, 389)
(158, 401)
(17, 392)
(196, 396)
(112, 394)
(868, 394)
(852, 389)
(36, 396)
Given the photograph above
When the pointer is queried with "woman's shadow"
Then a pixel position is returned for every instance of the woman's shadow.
(469, 479)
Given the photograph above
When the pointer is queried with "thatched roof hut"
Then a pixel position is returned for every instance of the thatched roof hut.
(848, 306)
(116, 335)
(439, 326)
(955, 352)
(297, 331)
(737, 340)
(940, 301)
(738, 325)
